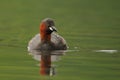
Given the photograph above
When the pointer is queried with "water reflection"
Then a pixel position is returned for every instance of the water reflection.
(46, 58)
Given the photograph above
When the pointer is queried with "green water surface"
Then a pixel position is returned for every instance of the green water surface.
(87, 25)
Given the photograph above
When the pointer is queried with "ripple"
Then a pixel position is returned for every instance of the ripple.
(107, 51)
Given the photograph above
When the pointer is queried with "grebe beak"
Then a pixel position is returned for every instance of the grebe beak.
(52, 28)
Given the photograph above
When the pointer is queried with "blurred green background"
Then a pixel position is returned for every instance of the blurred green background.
(87, 25)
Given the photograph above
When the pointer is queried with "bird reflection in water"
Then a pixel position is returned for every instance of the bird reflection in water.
(46, 58)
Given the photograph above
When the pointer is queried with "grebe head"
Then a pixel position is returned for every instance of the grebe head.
(47, 26)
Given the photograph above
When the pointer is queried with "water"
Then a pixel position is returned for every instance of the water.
(107, 51)
(46, 58)
(77, 64)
